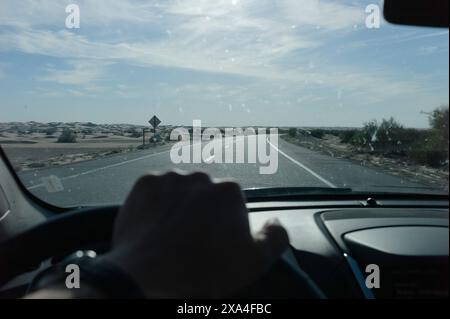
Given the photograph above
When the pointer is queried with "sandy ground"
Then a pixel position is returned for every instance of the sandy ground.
(37, 150)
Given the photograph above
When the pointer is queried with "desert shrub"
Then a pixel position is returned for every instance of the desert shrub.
(389, 137)
(433, 150)
(423, 146)
(347, 136)
(51, 131)
(292, 132)
(431, 146)
(439, 124)
(36, 165)
(366, 137)
(318, 133)
(67, 136)
(429, 151)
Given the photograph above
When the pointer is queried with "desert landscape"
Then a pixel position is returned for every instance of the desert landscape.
(33, 145)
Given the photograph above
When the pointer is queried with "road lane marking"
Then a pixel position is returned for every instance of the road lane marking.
(102, 168)
(323, 180)
(112, 166)
(5, 215)
(208, 161)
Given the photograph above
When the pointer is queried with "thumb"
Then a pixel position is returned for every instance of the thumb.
(271, 241)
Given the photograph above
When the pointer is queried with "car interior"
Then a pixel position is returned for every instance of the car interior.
(335, 239)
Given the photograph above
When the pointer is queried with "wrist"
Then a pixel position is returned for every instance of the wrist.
(111, 280)
(98, 278)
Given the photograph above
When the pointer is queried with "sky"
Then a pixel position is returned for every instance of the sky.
(224, 62)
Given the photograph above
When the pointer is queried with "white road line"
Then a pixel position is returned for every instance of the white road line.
(323, 180)
(5, 215)
(102, 168)
(111, 166)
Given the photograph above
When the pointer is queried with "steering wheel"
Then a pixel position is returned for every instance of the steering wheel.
(89, 228)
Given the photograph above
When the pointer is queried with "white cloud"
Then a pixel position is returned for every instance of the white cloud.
(45, 13)
(88, 61)
(81, 72)
(215, 36)
(328, 15)
(271, 41)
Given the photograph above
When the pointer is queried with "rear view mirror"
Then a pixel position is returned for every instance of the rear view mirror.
(430, 13)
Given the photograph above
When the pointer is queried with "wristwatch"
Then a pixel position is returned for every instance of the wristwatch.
(95, 273)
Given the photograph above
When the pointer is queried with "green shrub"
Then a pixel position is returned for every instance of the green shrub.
(36, 165)
(366, 137)
(389, 137)
(439, 124)
(432, 147)
(51, 131)
(347, 136)
(423, 146)
(429, 151)
(67, 136)
(317, 133)
(292, 132)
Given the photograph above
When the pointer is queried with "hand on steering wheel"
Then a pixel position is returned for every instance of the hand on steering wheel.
(183, 236)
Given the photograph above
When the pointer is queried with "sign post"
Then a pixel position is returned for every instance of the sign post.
(143, 136)
(154, 122)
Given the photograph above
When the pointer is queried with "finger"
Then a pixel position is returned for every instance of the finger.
(199, 177)
(184, 182)
(219, 180)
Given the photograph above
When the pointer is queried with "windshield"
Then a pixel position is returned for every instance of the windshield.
(312, 95)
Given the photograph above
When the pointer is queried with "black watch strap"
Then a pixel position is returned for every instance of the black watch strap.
(108, 279)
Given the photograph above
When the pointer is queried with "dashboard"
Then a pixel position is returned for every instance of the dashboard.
(408, 246)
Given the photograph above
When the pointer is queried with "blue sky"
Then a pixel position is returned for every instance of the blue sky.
(225, 62)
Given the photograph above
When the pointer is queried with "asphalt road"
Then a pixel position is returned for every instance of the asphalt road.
(108, 180)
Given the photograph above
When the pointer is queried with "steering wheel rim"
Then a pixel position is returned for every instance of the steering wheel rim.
(80, 229)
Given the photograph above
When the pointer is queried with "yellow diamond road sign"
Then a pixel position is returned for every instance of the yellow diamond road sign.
(154, 121)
